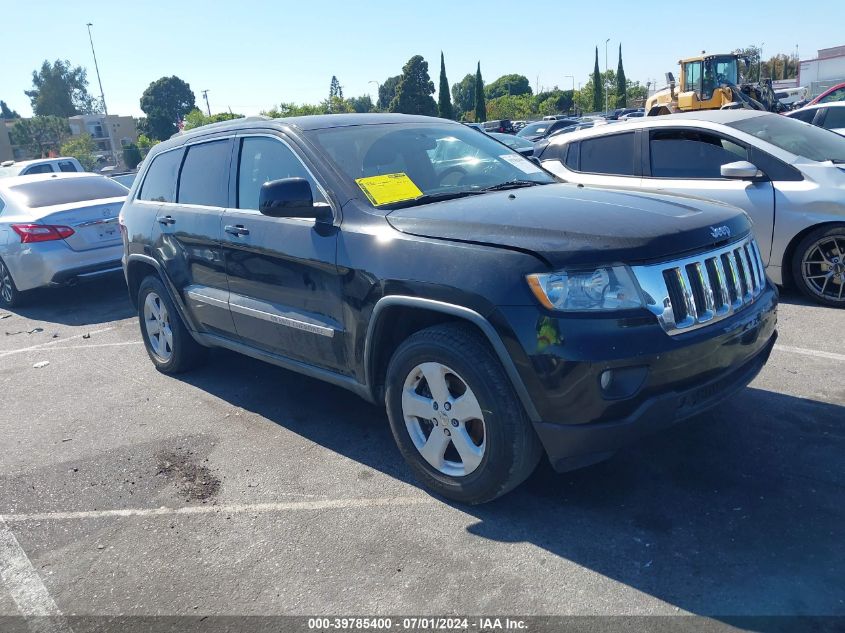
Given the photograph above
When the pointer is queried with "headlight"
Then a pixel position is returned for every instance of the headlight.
(605, 288)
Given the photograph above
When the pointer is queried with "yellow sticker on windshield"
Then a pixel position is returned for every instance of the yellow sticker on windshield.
(389, 188)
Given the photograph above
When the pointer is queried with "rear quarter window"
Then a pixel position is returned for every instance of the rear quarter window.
(160, 181)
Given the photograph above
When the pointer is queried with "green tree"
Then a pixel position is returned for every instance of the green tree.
(463, 96)
(621, 84)
(292, 109)
(636, 92)
(598, 88)
(83, 148)
(557, 100)
(514, 85)
(413, 94)
(444, 101)
(145, 143)
(41, 134)
(362, 104)
(511, 107)
(6, 113)
(196, 118)
(480, 107)
(166, 101)
(131, 156)
(336, 105)
(387, 92)
(335, 89)
(60, 90)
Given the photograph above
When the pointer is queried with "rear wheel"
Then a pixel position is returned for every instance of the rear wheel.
(455, 417)
(818, 266)
(169, 344)
(10, 296)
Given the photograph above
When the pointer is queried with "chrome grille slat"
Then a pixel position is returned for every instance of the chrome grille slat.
(696, 291)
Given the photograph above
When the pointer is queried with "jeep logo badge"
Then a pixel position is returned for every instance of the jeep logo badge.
(720, 231)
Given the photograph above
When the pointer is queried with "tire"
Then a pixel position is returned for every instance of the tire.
(458, 361)
(169, 344)
(10, 296)
(818, 265)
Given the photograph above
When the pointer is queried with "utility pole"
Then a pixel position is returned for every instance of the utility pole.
(205, 96)
(605, 73)
(102, 94)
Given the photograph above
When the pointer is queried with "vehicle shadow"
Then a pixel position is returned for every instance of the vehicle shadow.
(738, 512)
(87, 303)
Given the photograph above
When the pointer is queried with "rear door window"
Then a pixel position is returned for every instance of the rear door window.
(834, 119)
(804, 115)
(66, 165)
(691, 154)
(610, 154)
(160, 181)
(836, 95)
(204, 179)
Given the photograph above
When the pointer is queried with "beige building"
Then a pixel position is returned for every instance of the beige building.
(110, 133)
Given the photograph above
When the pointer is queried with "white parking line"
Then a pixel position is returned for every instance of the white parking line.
(26, 588)
(809, 352)
(91, 346)
(52, 343)
(247, 508)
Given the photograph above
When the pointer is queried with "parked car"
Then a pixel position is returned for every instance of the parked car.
(124, 178)
(518, 125)
(495, 312)
(476, 126)
(57, 229)
(542, 129)
(830, 116)
(636, 114)
(501, 126)
(11, 168)
(521, 145)
(831, 95)
(786, 175)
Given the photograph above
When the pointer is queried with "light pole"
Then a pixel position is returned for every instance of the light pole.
(102, 94)
(604, 81)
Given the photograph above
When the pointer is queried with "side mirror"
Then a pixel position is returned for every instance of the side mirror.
(741, 170)
(290, 198)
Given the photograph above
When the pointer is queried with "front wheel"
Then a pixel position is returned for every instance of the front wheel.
(169, 344)
(455, 416)
(818, 266)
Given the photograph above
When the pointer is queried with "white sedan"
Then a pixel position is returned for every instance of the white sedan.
(57, 229)
(787, 175)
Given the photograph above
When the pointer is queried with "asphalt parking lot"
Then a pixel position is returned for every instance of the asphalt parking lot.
(245, 489)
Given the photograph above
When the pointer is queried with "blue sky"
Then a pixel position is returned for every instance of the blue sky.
(251, 55)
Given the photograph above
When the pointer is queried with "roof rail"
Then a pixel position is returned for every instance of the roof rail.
(218, 124)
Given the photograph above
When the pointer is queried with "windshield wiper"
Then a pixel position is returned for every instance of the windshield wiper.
(433, 197)
(513, 184)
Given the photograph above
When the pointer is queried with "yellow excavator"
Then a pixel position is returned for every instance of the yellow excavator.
(712, 82)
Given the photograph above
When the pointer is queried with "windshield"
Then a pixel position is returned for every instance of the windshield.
(46, 193)
(796, 137)
(413, 163)
(535, 128)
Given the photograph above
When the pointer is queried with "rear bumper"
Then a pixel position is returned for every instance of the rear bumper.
(54, 263)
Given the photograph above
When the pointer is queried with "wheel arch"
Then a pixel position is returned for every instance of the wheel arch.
(412, 314)
(138, 267)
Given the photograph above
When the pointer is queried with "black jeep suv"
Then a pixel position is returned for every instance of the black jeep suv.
(496, 312)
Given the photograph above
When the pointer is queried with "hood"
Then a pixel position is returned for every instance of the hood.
(573, 225)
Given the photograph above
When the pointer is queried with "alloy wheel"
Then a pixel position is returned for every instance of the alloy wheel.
(444, 419)
(157, 325)
(823, 268)
(6, 288)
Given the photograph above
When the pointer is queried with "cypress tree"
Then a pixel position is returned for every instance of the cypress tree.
(480, 106)
(598, 88)
(444, 100)
(621, 84)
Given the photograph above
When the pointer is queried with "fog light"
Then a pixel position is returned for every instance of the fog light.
(622, 382)
(606, 379)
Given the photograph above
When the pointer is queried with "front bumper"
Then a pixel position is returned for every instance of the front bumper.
(667, 378)
(54, 264)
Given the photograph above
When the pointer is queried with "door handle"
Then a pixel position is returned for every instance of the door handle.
(166, 220)
(236, 229)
